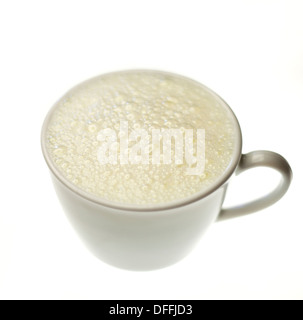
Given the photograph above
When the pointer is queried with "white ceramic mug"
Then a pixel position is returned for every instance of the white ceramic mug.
(133, 238)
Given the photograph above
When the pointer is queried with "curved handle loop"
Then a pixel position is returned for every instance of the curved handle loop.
(261, 159)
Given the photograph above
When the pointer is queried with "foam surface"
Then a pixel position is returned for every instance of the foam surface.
(146, 99)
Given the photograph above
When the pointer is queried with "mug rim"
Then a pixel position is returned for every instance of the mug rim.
(224, 178)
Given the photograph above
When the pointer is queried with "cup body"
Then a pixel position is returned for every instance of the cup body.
(142, 238)
(139, 240)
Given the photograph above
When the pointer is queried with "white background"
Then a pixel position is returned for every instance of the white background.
(250, 52)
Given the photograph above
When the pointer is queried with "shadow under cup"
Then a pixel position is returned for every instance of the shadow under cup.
(138, 237)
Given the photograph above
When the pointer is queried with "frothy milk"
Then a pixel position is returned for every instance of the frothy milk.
(145, 100)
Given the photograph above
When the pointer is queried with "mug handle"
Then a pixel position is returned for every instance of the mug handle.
(260, 159)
